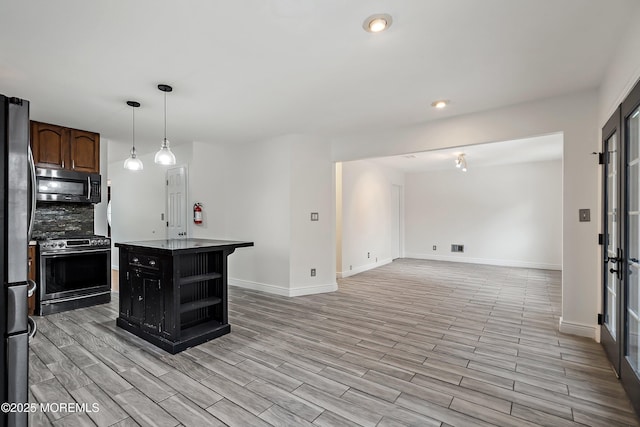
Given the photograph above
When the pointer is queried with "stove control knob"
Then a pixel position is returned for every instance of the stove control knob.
(135, 260)
(60, 244)
(152, 263)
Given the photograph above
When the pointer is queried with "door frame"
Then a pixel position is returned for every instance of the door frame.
(611, 344)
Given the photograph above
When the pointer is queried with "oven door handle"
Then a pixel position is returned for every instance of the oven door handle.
(63, 253)
(89, 184)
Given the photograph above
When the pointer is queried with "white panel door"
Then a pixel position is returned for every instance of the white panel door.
(177, 203)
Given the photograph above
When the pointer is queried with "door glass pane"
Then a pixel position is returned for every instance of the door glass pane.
(633, 320)
(633, 187)
(633, 191)
(612, 282)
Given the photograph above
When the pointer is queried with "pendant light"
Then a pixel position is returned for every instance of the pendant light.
(164, 156)
(461, 162)
(133, 163)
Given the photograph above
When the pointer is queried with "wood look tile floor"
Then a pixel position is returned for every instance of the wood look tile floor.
(413, 343)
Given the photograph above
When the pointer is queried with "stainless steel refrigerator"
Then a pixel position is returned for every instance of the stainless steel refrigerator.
(15, 213)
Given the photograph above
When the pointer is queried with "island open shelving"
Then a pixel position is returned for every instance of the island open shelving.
(173, 293)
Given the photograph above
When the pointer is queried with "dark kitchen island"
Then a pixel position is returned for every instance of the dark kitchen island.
(173, 293)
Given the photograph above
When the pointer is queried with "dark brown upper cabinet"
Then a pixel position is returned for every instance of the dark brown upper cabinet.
(58, 147)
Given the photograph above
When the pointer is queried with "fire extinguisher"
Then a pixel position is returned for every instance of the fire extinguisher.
(197, 213)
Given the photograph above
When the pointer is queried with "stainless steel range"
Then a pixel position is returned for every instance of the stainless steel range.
(75, 272)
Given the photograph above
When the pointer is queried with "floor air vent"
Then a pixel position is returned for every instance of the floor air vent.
(457, 248)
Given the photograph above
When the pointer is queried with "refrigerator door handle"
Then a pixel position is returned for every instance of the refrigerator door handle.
(33, 327)
(32, 170)
(32, 288)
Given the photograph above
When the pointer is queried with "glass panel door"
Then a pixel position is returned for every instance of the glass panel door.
(633, 215)
(612, 253)
(630, 297)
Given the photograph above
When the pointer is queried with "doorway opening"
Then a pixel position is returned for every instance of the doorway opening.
(505, 209)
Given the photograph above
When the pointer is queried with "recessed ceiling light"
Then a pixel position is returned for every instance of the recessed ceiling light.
(377, 23)
(440, 104)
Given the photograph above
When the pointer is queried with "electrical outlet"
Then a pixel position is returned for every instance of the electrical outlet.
(368, 254)
(313, 272)
(434, 247)
(314, 216)
(351, 267)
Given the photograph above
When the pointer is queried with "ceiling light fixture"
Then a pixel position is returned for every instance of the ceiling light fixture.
(164, 156)
(133, 163)
(440, 104)
(377, 23)
(461, 162)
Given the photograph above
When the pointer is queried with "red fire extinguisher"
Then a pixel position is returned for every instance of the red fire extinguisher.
(197, 213)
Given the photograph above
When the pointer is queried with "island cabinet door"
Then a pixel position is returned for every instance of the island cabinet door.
(153, 304)
(136, 286)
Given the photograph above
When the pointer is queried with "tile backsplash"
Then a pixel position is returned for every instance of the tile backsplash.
(56, 219)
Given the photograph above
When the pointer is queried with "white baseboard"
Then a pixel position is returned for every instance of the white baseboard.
(580, 329)
(282, 291)
(361, 268)
(311, 290)
(486, 261)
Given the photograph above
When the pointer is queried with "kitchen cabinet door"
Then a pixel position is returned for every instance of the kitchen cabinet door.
(84, 148)
(57, 147)
(50, 145)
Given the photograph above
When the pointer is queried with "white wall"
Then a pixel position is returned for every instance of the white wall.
(576, 116)
(274, 186)
(508, 215)
(623, 72)
(259, 210)
(312, 242)
(209, 179)
(100, 209)
(366, 215)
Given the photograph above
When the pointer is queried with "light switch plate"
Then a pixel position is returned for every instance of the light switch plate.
(314, 216)
(585, 215)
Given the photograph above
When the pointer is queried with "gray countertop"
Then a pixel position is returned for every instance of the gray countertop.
(175, 245)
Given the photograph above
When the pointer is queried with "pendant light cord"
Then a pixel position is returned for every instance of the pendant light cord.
(164, 143)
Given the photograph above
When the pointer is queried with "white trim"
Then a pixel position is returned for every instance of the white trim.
(311, 290)
(487, 261)
(362, 268)
(257, 286)
(282, 291)
(580, 329)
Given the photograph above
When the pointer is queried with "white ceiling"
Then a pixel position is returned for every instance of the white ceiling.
(247, 70)
(535, 149)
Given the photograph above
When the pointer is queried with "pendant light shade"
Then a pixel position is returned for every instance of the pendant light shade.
(461, 162)
(133, 163)
(164, 156)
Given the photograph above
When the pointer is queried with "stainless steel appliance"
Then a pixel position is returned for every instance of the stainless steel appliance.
(74, 272)
(56, 185)
(14, 228)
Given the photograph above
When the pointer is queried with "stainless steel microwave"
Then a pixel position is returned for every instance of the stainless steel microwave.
(55, 185)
